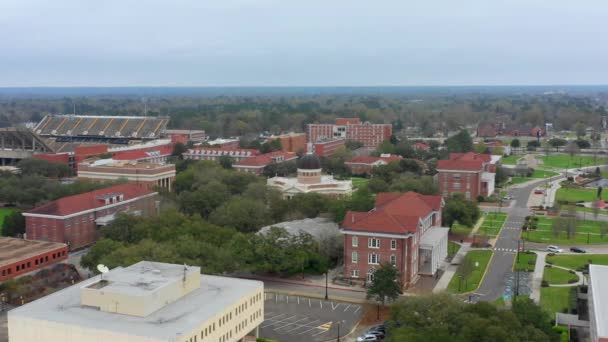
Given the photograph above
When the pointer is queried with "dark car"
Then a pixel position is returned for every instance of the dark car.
(577, 250)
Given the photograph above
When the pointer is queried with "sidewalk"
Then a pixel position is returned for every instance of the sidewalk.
(478, 224)
(443, 282)
(537, 278)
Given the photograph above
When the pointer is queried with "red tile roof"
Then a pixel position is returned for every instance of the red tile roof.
(471, 156)
(456, 165)
(421, 146)
(89, 200)
(371, 160)
(394, 213)
(267, 159)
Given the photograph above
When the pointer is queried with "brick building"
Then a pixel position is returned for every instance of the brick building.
(402, 229)
(75, 220)
(291, 142)
(186, 135)
(363, 165)
(19, 256)
(471, 174)
(146, 175)
(327, 148)
(370, 135)
(214, 153)
(257, 163)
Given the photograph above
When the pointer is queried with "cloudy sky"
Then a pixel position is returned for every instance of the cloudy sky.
(295, 42)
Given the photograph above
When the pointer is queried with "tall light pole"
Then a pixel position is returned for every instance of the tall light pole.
(326, 276)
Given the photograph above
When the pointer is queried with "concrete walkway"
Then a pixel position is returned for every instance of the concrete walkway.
(578, 274)
(537, 277)
(478, 224)
(451, 268)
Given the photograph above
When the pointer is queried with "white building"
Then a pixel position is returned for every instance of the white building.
(598, 302)
(310, 179)
(147, 301)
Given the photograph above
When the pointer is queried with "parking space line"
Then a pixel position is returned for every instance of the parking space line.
(309, 304)
(305, 331)
(300, 326)
(290, 323)
(319, 333)
(274, 317)
(298, 300)
(321, 303)
(334, 308)
(358, 308)
(277, 322)
(348, 306)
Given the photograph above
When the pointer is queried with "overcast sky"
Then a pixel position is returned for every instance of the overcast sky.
(302, 42)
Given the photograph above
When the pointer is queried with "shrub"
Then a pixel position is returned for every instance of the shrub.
(572, 281)
(551, 254)
(571, 271)
(531, 262)
(544, 283)
(548, 266)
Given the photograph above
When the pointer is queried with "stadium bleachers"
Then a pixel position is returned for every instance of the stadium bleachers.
(119, 127)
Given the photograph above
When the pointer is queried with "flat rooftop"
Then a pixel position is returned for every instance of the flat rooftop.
(170, 322)
(13, 250)
(124, 164)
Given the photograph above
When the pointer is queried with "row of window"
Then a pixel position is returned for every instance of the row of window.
(37, 261)
(373, 258)
(372, 242)
(370, 274)
(228, 335)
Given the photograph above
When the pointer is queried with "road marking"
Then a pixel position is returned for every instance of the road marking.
(287, 299)
(325, 326)
(298, 300)
(332, 306)
(348, 306)
(321, 303)
(291, 323)
(358, 308)
(309, 304)
(300, 326)
(277, 322)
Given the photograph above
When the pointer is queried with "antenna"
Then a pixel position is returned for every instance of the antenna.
(102, 269)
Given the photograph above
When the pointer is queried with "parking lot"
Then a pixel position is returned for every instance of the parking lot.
(302, 319)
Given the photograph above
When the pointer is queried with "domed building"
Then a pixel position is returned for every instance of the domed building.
(311, 179)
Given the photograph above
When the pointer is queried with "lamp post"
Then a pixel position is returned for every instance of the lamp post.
(338, 340)
(326, 277)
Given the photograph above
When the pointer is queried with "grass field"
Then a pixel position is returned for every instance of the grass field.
(4, 212)
(565, 161)
(537, 174)
(471, 283)
(510, 160)
(587, 232)
(577, 262)
(527, 262)
(359, 181)
(578, 195)
(557, 299)
(492, 224)
(553, 275)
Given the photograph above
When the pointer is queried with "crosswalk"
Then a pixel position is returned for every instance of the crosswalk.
(510, 250)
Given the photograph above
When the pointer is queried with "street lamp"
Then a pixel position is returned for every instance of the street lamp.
(326, 276)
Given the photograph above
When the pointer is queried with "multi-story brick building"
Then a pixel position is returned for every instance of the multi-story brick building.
(403, 230)
(370, 135)
(327, 148)
(257, 163)
(214, 153)
(363, 165)
(291, 142)
(471, 174)
(19, 256)
(146, 175)
(75, 220)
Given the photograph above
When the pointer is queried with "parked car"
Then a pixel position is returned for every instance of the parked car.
(508, 198)
(380, 327)
(539, 191)
(577, 250)
(367, 338)
(377, 333)
(554, 249)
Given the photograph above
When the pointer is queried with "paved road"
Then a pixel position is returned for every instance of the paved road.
(494, 282)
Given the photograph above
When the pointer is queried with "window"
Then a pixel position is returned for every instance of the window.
(373, 259)
(370, 275)
(456, 186)
(355, 257)
(456, 176)
(355, 241)
(373, 243)
(354, 273)
(393, 260)
(467, 195)
(393, 244)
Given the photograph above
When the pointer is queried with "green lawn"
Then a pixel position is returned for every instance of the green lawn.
(460, 229)
(453, 248)
(557, 299)
(553, 275)
(578, 195)
(471, 283)
(510, 160)
(565, 161)
(525, 262)
(492, 224)
(4, 212)
(587, 232)
(519, 180)
(359, 181)
(543, 174)
(577, 262)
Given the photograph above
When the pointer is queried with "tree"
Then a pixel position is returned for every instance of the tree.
(14, 224)
(385, 284)
(243, 214)
(178, 149)
(461, 142)
(572, 149)
(481, 147)
(580, 130)
(457, 208)
(34, 166)
(225, 162)
(557, 143)
(515, 143)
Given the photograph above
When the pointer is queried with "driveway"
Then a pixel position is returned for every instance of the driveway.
(303, 319)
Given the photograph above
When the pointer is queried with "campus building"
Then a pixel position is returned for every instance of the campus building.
(311, 179)
(146, 175)
(291, 142)
(370, 135)
(185, 136)
(75, 220)
(19, 256)
(327, 148)
(214, 153)
(598, 303)
(257, 164)
(471, 174)
(402, 229)
(363, 165)
(145, 302)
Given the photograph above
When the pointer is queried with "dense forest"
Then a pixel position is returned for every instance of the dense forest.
(249, 115)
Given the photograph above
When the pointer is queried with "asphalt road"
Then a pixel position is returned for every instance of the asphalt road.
(495, 282)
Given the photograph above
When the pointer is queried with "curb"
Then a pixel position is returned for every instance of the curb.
(308, 295)
(482, 277)
(300, 284)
